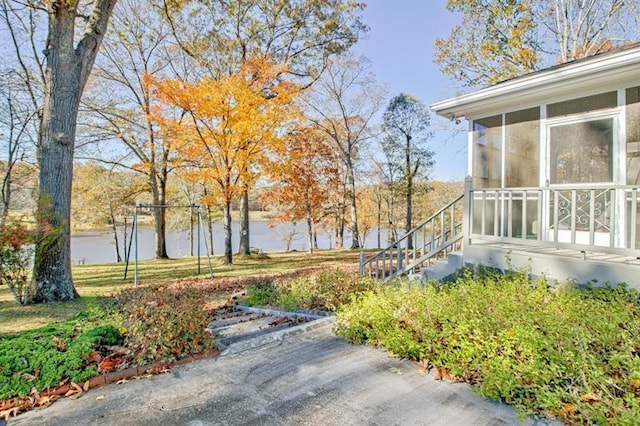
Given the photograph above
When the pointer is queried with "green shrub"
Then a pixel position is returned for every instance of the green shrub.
(324, 290)
(46, 357)
(550, 352)
(259, 295)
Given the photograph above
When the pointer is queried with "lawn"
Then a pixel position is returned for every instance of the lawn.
(93, 281)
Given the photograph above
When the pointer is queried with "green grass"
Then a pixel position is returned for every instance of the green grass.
(93, 281)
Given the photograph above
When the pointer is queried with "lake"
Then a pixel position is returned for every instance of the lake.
(98, 247)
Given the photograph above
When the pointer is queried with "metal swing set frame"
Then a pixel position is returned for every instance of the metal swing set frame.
(134, 240)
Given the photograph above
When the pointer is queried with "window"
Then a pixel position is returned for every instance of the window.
(582, 152)
(522, 133)
(581, 105)
(632, 111)
(487, 152)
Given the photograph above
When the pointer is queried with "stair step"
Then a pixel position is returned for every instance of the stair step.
(234, 323)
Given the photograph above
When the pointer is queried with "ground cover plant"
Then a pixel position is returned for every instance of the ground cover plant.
(560, 352)
(325, 289)
(44, 358)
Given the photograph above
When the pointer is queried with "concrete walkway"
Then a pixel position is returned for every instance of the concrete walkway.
(302, 375)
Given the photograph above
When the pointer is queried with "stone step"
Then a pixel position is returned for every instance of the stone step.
(231, 320)
(235, 323)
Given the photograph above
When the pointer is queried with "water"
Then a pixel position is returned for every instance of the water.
(98, 247)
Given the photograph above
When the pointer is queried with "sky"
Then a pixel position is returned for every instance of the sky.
(400, 45)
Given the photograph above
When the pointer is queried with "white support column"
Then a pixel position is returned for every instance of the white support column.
(543, 171)
(470, 158)
(620, 172)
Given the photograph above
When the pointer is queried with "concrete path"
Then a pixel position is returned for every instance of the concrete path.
(301, 375)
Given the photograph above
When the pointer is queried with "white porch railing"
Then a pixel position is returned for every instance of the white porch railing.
(596, 218)
(591, 219)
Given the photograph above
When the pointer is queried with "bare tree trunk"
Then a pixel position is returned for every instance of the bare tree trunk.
(310, 232)
(228, 254)
(210, 226)
(315, 236)
(191, 226)
(340, 232)
(124, 237)
(355, 236)
(409, 194)
(159, 217)
(245, 244)
(6, 191)
(379, 220)
(114, 228)
(67, 71)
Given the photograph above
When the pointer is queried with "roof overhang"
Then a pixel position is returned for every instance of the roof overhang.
(586, 76)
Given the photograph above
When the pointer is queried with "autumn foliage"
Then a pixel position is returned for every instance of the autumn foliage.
(303, 172)
(227, 126)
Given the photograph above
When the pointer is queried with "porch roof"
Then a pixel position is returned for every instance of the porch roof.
(599, 73)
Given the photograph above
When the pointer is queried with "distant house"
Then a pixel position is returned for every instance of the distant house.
(554, 166)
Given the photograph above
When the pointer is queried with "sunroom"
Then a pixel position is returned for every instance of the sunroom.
(554, 170)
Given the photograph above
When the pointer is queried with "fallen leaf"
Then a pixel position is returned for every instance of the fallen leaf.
(60, 344)
(110, 362)
(28, 377)
(85, 387)
(94, 358)
(45, 401)
(590, 397)
(100, 397)
(567, 410)
(34, 392)
(74, 392)
(11, 412)
(121, 381)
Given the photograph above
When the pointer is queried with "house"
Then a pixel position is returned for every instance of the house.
(554, 178)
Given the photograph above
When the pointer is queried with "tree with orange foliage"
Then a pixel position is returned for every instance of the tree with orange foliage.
(227, 128)
(303, 171)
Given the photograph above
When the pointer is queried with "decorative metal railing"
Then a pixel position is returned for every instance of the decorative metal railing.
(586, 218)
(433, 238)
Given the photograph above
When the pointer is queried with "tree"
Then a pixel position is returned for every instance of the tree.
(21, 95)
(501, 39)
(495, 41)
(118, 108)
(103, 195)
(16, 124)
(301, 34)
(227, 126)
(302, 173)
(405, 124)
(68, 65)
(343, 104)
(581, 28)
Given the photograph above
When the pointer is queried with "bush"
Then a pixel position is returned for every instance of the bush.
(564, 352)
(163, 322)
(56, 353)
(15, 258)
(259, 295)
(324, 290)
